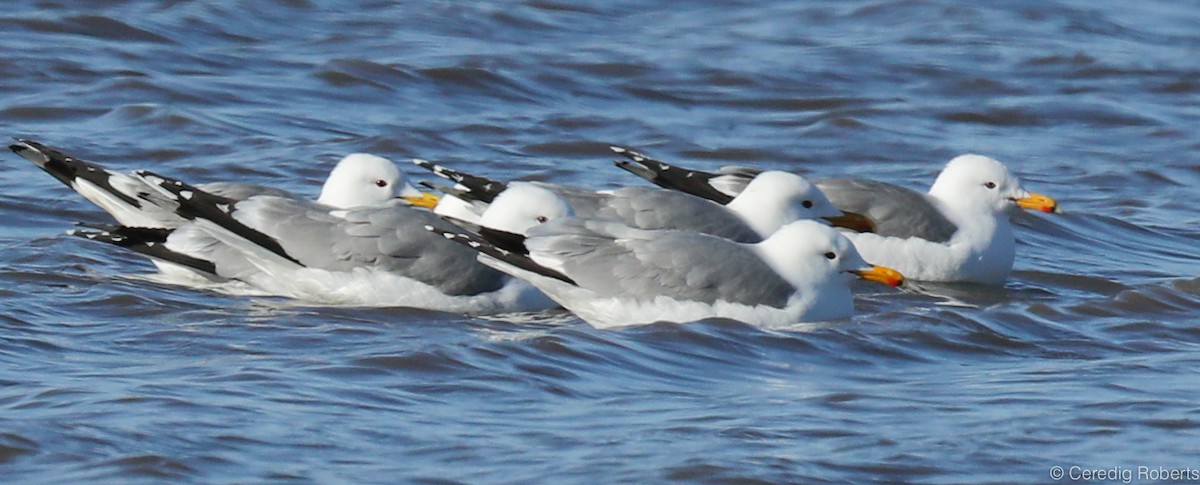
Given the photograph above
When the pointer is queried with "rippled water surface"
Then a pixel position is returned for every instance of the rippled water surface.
(1089, 357)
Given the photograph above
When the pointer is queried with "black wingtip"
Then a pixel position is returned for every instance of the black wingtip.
(508, 241)
(67, 169)
(145, 241)
(24, 145)
(470, 226)
(446, 189)
(27, 148)
(668, 176)
(485, 246)
(631, 154)
(438, 170)
(99, 226)
(637, 170)
(195, 203)
(478, 188)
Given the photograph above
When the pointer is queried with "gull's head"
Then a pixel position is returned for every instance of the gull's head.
(775, 198)
(979, 183)
(810, 254)
(522, 206)
(362, 179)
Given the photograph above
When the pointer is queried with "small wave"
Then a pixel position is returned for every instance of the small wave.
(994, 116)
(1185, 85)
(99, 27)
(608, 70)
(479, 81)
(349, 72)
(1178, 297)
(148, 465)
(48, 113)
(14, 446)
(424, 362)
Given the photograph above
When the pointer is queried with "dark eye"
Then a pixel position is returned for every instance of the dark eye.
(830, 255)
(990, 185)
(807, 204)
(381, 183)
(542, 219)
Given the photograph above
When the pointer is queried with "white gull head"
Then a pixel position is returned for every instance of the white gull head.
(820, 262)
(808, 254)
(523, 206)
(978, 184)
(362, 179)
(775, 198)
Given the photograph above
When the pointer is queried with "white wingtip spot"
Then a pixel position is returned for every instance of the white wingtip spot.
(187, 194)
(617, 149)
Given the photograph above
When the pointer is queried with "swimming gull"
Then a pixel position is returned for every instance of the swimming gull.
(377, 255)
(958, 231)
(610, 274)
(148, 224)
(357, 179)
(772, 200)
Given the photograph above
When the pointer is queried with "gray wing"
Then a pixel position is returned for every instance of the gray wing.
(654, 209)
(236, 191)
(583, 201)
(897, 211)
(391, 238)
(303, 230)
(395, 238)
(641, 265)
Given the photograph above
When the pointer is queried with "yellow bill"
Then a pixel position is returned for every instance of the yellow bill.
(881, 274)
(425, 200)
(1038, 202)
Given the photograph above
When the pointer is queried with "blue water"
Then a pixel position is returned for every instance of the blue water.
(1088, 358)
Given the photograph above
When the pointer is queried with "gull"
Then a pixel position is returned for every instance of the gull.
(610, 274)
(357, 179)
(775, 198)
(378, 255)
(148, 224)
(959, 231)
